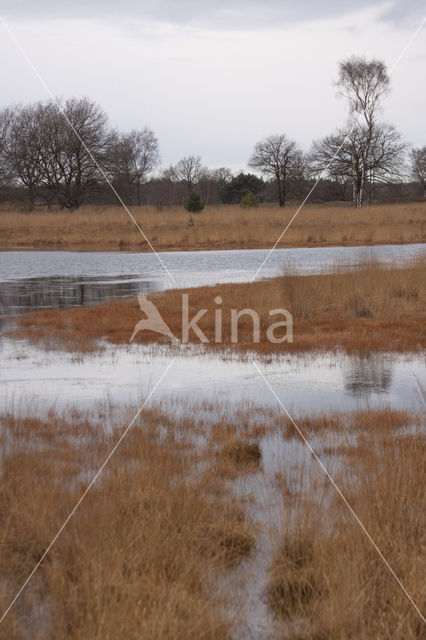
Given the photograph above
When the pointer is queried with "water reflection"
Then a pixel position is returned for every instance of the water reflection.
(62, 292)
(365, 375)
(126, 374)
(60, 279)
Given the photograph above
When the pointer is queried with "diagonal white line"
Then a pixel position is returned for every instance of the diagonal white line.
(86, 491)
(125, 432)
(407, 46)
(297, 212)
(359, 522)
(357, 118)
(105, 177)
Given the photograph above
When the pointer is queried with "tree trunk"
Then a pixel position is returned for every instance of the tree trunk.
(31, 200)
(361, 186)
(354, 189)
(281, 194)
(357, 183)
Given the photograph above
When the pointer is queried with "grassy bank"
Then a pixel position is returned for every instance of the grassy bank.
(376, 308)
(227, 227)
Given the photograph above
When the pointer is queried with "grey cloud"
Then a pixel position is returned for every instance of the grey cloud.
(207, 13)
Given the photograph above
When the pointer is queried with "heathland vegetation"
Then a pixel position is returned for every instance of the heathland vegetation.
(226, 227)
(143, 555)
(153, 547)
(326, 579)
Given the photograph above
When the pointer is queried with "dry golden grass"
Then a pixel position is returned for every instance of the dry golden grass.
(327, 581)
(376, 308)
(238, 455)
(141, 556)
(241, 452)
(144, 554)
(226, 227)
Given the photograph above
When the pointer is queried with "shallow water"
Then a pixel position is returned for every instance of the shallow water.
(206, 387)
(37, 279)
(60, 279)
(126, 374)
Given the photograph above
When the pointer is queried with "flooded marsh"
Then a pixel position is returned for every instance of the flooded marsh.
(213, 518)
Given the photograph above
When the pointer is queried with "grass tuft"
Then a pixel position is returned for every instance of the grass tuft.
(241, 452)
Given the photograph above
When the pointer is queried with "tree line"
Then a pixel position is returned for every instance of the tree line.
(65, 153)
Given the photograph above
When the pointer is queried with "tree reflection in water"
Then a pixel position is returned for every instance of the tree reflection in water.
(367, 375)
(30, 294)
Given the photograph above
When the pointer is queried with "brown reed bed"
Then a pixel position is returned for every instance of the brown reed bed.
(226, 227)
(374, 308)
(242, 452)
(326, 579)
(141, 556)
(144, 554)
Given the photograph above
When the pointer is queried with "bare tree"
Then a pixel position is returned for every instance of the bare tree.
(205, 183)
(55, 151)
(23, 151)
(278, 157)
(189, 170)
(364, 84)
(134, 156)
(298, 178)
(74, 172)
(217, 180)
(169, 187)
(222, 175)
(344, 155)
(7, 175)
(418, 166)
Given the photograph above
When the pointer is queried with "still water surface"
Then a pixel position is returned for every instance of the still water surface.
(126, 374)
(60, 279)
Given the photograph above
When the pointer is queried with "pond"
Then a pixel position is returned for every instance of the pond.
(32, 280)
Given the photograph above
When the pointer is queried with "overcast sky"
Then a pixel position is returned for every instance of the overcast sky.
(211, 77)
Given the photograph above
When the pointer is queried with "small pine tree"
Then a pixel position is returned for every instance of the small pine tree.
(249, 200)
(194, 204)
